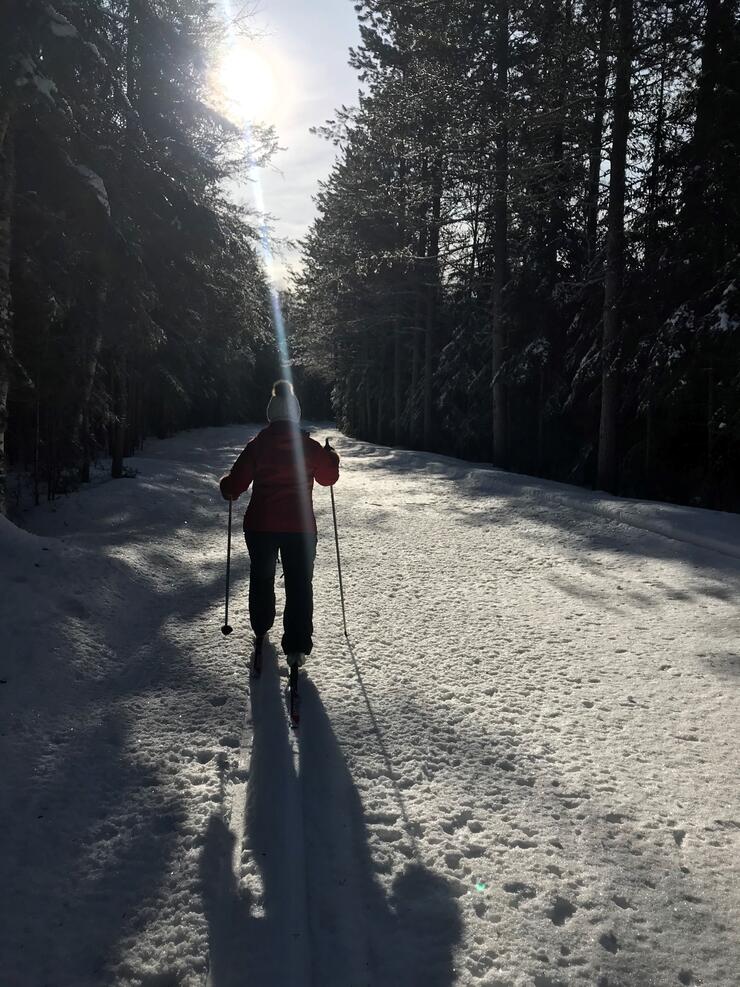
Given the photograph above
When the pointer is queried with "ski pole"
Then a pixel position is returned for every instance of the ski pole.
(227, 629)
(339, 561)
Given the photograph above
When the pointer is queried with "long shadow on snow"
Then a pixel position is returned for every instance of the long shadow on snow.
(587, 832)
(250, 939)
(81, 807)
(555, 507)
(62, 920)
(309, 827)
(84, 806)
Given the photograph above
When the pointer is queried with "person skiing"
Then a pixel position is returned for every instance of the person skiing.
(281, 463)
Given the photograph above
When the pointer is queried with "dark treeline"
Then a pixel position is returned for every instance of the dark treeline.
(131, 298)
(527, 251)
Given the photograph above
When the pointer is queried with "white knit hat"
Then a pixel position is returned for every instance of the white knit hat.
(283, 406)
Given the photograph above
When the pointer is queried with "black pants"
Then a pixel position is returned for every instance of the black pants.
(297, 554)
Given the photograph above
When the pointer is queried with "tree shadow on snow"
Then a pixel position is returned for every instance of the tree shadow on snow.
(562, 513)
(66, 900)
(90, 817)
(321, 915)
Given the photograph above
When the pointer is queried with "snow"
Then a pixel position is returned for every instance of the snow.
(720, 318)
(63, 29)
(96, 184)
(59, 24)
(520, 770)
(30, 73)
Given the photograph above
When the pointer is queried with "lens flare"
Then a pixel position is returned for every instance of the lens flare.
(249, 78)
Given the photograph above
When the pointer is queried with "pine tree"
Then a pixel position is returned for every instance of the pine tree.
(138, 303)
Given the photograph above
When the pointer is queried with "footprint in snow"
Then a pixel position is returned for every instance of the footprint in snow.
(474, 850)
(457, 821)
(609, 941)
(520, 892)
(452, 860)
(388, 834)
(545, 980)
(560, 911)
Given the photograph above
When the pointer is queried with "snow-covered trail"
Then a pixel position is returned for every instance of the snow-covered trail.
(520, 770)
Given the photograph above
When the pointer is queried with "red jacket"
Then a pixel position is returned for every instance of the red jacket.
(282, 462)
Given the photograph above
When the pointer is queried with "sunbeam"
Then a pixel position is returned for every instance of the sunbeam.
(234, 51)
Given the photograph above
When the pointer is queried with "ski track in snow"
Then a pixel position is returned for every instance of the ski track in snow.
(520, 771)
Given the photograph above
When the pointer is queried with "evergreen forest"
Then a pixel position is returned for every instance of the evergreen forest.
(132, 298)
(526, 252)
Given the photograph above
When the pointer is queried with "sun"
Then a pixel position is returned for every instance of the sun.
(248, 83)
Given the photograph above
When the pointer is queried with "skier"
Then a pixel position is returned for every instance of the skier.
(282, 462)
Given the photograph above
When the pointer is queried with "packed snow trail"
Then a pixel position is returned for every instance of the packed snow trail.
(520, 770)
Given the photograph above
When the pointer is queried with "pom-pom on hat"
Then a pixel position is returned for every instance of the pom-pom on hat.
(283, 406)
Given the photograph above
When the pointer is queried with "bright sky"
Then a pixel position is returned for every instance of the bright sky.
(298, 73)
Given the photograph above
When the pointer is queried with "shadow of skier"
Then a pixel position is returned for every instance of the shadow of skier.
(323, 917)
(250, 935)
(228, 910)
(360, 936)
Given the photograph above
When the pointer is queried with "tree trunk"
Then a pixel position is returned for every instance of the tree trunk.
(133, 52)
(89, 371)
(710, 419)
(7, 189)
(501, 241)
(560, 28)
(651, 226)
(432, 274)
(706, 89)
(648, 446)
(348, 425)
(37, 446)
(119, 421)
(397, 386)
(700, 212)
(380, 420)
(416, 338)
(414, 392)
(368, 413)
(593, 182)
(613, 277)
(428, 373)
(541, 424)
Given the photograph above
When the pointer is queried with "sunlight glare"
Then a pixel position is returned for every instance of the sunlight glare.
(248, 82)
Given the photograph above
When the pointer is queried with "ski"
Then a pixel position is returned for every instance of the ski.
(257, 657)
(293, 697)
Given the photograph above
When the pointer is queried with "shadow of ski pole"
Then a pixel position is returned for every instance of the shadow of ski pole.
(411, 828)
